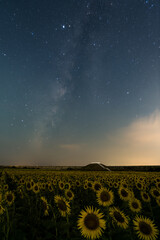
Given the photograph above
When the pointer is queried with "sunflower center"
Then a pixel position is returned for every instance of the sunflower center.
(156, 193)
(135, 205)
(91, 221)
(9, 197)
(36, 188)
(145, 228)
(139, 185)
(61, 205)
(28, 185)
(105, 196)
(69, 194)
(145, 195)
(124, 193)
(97, 186)
(118, 217)
(89, 185)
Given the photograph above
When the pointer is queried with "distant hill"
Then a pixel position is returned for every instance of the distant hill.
(95, 166)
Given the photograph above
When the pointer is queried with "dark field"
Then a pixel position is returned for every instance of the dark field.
(38, 204)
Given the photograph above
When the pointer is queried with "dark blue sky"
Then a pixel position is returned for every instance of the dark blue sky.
(76, 79)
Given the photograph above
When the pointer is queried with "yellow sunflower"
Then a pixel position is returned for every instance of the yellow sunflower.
(155, 192)
(124, 193)
(0, 197)
(158, 185)
(67, 185)
(96, 186)
(5, 187)
(85, 186)
(145, 228)
(50, 188)
(90, 223)
(9, 197)
(28, 185)
(105, 197)
(45, 206)
(36, 188)
(145, 197)
(139, 185)
(135, 205)
(89, 184)
(1, 209)
(116, 185)
(61, 185)
(69, 194)
(78, 184)
(119, 217)
(63, 205)
(158, 201)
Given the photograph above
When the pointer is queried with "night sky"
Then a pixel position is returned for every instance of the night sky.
(79, 82)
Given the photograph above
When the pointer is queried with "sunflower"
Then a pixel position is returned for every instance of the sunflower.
(105, 197)
(5, 187)
(124, 185)
(119, 217)
(9, 197)
(20, 192)
(139, 185)
(78, 184)
(90, 223)
(0, 197)
(43, 186)
(45, 206)
(158, 201)
(1, 210)
(96, 186)
(50, 188)
(145, 197)
(67, 185)
(36, 188)
(116, 185)
(28, 185)
(124, 193)
(22, 181)
(85, 186)
(63, 205)
(135, 205)
(69, 194)
(158, 185)
(54, 181)
(32, 182)
(146, 229)
(89, 184)
(155, 192)
(61, 185)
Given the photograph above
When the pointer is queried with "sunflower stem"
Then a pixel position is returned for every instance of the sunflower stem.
(151, 210)
(8, 226)
(68, 228)
(54, 216)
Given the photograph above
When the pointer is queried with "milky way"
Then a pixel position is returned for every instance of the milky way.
(77, 78)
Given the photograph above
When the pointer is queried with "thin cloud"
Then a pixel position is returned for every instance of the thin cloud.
(137, 144)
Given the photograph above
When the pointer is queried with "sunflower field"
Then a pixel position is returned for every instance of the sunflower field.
(77, 205)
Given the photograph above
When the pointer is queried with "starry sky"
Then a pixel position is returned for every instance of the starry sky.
(79, 82)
